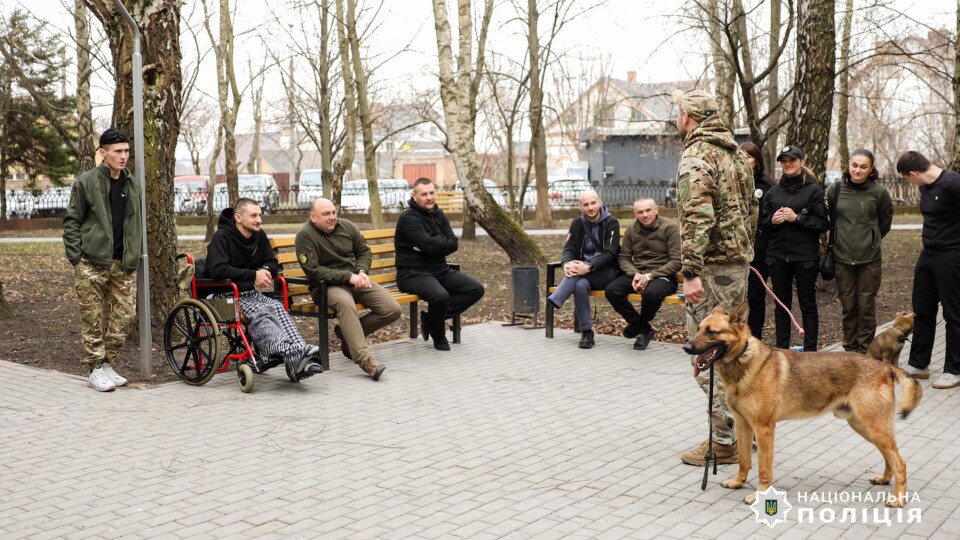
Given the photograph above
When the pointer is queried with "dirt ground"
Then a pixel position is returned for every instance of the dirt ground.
(38, 284)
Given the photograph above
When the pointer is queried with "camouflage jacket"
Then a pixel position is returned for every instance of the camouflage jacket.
(715, 199)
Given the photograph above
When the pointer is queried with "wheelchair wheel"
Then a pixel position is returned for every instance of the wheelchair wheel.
(246, 377)
(190, 342)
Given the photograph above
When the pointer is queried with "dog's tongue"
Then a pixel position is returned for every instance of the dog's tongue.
(702, 359)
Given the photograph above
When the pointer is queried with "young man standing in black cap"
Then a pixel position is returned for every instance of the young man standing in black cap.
(101, 237)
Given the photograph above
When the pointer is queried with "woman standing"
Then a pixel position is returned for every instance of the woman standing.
(756, 292)
(793, 215)
(864, 213)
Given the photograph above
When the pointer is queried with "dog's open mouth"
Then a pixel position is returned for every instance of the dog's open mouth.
(704, 360)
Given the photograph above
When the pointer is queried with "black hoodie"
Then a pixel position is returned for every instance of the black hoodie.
(231, 256)
(762, 185)
(605, 232)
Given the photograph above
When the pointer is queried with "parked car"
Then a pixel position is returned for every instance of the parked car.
(310, 187)
(20, 204)
(393, 195)
(190, 194)
(53, 201)
(565, 192)
(259, 187)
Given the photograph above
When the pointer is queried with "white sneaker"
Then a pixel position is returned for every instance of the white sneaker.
(916, 373)
(114, 377)
(947, 380)
(100, 382)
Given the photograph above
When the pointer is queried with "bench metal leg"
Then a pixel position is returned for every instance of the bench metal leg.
(549, 321)
(456, 328)
(414, 317)
(323, 323)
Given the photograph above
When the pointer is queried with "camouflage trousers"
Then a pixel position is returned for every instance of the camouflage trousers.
(723, 284)
(108, 307)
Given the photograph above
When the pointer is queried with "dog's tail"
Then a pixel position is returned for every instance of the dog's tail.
(912, 391)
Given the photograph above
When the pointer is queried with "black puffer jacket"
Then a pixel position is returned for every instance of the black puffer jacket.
(423, 239)
(762, 185)
(797, 241)
(231, 256)
(608, 231)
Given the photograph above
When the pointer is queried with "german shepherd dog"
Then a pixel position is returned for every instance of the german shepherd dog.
(886, 347)
(764, 385)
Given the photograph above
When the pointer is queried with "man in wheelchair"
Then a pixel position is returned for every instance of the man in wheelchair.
(240, 251)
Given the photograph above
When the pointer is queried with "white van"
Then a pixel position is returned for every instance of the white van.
(394, 193)
(310, 187)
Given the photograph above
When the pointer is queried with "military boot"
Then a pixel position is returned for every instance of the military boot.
(726, 453)
(371, 367)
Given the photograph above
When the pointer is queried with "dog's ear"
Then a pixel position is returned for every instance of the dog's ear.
(739, 315)
(719, 310)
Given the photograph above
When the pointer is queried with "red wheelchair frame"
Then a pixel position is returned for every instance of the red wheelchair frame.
(194, 326)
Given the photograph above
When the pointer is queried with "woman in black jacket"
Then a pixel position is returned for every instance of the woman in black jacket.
(793, 216)
(756, 291)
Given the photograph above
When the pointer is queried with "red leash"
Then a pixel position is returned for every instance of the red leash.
(770, 292)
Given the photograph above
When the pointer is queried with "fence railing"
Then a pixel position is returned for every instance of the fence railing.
(54, 201)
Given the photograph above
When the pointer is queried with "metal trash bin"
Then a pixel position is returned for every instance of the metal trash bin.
(526, 295)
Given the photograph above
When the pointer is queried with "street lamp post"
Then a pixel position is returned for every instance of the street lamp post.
(143, 272)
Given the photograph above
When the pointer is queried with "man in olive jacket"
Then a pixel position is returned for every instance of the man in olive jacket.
(333, 250)
(101, 238)
(650, 259)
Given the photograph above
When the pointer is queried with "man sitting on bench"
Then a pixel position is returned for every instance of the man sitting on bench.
(650, 258)
(332, 250)
(424, 238)
(241, 252)
(589, 261)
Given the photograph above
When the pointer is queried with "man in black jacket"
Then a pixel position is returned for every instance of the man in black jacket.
(589, 261)
(240, 251)
(423, 240)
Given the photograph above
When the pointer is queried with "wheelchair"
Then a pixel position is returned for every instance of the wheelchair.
(197, 326)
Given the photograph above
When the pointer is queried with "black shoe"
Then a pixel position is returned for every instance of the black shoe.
(630, 331)
(643, 339)
(443, 345)
(344, 348)
(424, 327)
(586, 339)
(313, 368)
(299, 366)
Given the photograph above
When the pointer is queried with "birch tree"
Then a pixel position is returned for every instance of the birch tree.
(459, 86)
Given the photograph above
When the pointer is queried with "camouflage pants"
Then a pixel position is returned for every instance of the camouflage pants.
(108, 306)
(723, 284)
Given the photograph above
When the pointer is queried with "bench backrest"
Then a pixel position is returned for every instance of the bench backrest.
(382, 271)
(450, 201)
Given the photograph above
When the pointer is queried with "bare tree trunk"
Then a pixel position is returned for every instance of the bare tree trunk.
(86, 144)
(955, 83)
(6, 312)
(458, 92)
(159, 22)
(366, 119)
(350, 105)
(813, 93)
(774, 115)
(843, 105)
(724, 74)
(254, 163)
(326, 138)
(211, 183)
(543, 218)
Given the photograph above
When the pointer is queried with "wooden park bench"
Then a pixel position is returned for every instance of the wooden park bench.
(451, 202)
(676, 298)
(382, 271)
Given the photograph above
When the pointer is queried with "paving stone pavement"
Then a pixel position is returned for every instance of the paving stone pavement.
(509, 435)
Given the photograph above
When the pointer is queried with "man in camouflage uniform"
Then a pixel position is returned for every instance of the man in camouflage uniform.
(101, 237)
(718, 220)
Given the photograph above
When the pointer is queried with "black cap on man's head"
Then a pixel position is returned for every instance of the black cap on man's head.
(113, 136)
